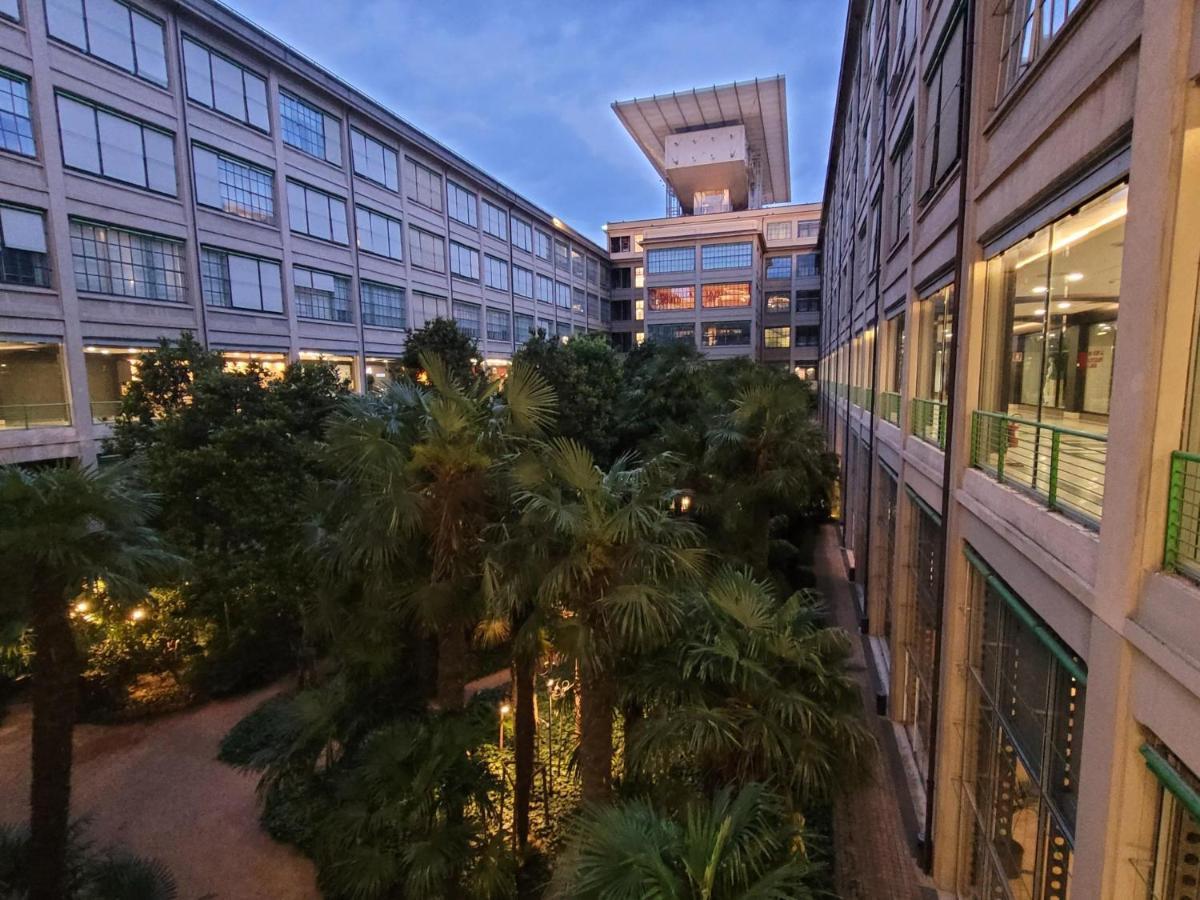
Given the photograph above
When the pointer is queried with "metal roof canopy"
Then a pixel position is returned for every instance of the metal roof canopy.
(760, 105)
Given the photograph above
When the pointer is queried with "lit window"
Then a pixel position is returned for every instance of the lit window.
(777, 337)
(725, 334)
(672, 298)
(725, 295)
(777, 302)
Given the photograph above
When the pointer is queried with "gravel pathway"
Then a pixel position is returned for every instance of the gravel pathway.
(157, 789)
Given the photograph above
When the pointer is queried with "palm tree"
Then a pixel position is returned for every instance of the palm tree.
(764, 459)
(752, 689)
(418, 493)
(65, 531)
(740, 845)
(613, 555)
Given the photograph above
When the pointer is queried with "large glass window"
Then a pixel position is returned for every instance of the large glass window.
(461, 204)
(717, 296)
(672, 333)
(374, 160)
(113, 32)
(464, 261)
(1051, 319)
(522, 280)
(562, 295)
(109, 373)
(545, 288)
(541, 245)
(33, 391)
(233, 186)
(726, 256)
(321, 295)
(466, 316)
(779, 231)
(104, 143)
(495, 221)
(522, 235)
(670, 259)
(126, 263)
(808, 301)
(1029, 28)
(495, 273)
(779, 267)
(672, 298)
(23, 256)
(310, 130)
(422, 184)
(317, 213)
(937, 331)
(428, 250)
(382, 305)
(943, 91)
(725, 334)
(378, 234)
(577, 267)
(920, 645)
(427, 307)
(16, 123)
(220, 83)
(240, 282)
(902, 188)
(524, 326)
(562, 255)
(808, 265)
(776, 337)
(1027, 699)
(498, 325)
(577, 300)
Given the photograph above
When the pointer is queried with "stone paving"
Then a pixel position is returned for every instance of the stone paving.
(873, 857)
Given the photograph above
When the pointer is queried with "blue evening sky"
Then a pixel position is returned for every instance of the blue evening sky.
(522, 87)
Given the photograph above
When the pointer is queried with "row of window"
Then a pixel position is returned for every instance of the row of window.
(712, 334)
(125, 263)
(775, 231)
(670, 260)
(711, 296)
(104, 142)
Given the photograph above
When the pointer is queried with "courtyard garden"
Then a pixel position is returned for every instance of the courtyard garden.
(548, 634)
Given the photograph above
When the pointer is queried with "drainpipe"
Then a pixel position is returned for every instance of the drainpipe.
(964, 139)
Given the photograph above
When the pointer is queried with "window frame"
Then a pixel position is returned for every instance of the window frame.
(144, 126)
(186, 39)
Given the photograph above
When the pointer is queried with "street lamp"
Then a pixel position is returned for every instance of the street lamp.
(505, 709)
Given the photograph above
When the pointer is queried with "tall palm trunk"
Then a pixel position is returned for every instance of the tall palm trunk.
(596, 734)
(451, 666)
(526, 731)
(56, 667)
(631, 715)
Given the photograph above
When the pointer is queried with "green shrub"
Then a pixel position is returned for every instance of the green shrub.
(261, 737)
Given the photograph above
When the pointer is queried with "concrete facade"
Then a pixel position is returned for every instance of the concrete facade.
(350, 221)
(1009, 481)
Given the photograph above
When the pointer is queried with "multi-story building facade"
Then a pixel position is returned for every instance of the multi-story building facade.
(733, 267)
(1010, 188)
(169, 167)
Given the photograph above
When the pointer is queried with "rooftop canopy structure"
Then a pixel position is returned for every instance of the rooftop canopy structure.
(719, 148)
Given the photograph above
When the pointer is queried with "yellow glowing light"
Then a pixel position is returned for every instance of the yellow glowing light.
(505, 709)
(685, 503)
(82, 606)
(137, 614)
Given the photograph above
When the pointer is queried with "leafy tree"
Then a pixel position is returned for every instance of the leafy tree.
(732, 846)
(609, 551)
(231, 454)
(442, 338)
(585, 374)
(749, 690)
(65, 532)
(665, 388)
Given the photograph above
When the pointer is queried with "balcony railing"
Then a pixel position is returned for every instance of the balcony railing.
(1063, 466)
(888, 407)
(105, 410)
(929, 421)
(34, 415)
(1182, 553)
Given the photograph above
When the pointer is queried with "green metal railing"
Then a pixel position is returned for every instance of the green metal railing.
(1063, 466)
(105, 410)
(1182, 551)
(888, 408)
(34, 415)
(929, 421)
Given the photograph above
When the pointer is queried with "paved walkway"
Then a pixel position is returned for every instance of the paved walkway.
(872, 856)
(156, 788)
